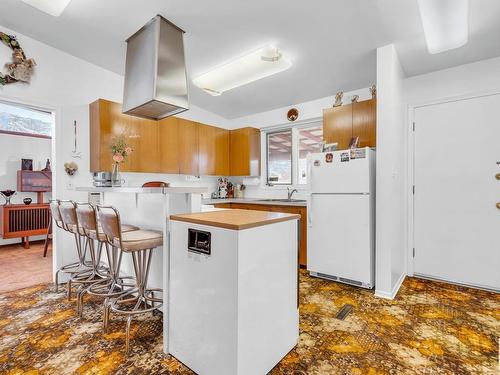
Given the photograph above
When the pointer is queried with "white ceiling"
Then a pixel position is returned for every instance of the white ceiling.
(332, 42)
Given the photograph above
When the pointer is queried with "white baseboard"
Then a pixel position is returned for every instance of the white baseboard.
(393, 292)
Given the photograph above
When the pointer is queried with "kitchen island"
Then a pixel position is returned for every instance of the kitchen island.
(233, 303)
(291, 206)
(150, 208)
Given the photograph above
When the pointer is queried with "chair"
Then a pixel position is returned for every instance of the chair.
(94, 270)
(111, 284)
(73, 268)
(140, 245)
(48, 237)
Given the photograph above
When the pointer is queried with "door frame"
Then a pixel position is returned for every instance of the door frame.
(410, 178)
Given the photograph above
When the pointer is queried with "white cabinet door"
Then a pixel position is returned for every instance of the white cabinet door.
(339, 235)
(456, 221)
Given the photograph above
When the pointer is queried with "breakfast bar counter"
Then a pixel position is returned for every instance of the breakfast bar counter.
(150, 208)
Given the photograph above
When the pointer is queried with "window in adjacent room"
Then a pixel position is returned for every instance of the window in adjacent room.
(23, 120)
(279, 158)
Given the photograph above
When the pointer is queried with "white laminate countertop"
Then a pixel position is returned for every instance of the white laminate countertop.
(145, 190)
(300, 203)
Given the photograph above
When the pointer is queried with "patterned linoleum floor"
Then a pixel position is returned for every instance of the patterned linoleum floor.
(431, 328)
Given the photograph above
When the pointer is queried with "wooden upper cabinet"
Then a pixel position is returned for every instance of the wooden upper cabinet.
(188, 147)
(169, 145)
(337, 125)
(364, 119)
(213, 150)
(244, 151)
(106, 123)
(222, 152)
(342, 123)
(207, 149)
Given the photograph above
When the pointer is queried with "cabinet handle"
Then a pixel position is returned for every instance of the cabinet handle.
(497, 176)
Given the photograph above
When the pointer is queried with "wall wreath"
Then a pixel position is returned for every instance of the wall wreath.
(21, 68)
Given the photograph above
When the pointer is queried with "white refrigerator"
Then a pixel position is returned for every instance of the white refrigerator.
(341, 216)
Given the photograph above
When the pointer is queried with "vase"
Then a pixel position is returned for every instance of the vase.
(7, 194)
(116, 178)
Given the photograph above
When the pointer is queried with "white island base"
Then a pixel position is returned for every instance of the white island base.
(234, 311)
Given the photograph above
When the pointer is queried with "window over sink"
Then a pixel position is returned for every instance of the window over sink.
(287, 150)
(279, 158)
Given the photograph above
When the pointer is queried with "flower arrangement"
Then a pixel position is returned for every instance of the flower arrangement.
(120, 149)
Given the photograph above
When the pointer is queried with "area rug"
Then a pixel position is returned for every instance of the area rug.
(430, 328)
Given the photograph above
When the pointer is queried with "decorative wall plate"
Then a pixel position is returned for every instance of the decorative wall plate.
(292, 114)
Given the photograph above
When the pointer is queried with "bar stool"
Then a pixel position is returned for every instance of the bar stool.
(111, 284)
(140, 245)
(78, 267)
(95, 269)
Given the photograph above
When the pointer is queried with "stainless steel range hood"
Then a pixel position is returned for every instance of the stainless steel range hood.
(155, 71)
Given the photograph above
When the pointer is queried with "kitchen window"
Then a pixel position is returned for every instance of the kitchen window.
(23, 120)
(287, 150)
(279, 158)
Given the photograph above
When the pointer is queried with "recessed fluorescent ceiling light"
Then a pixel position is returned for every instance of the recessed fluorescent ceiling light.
(261, 63)
(52, 7)
(446, 23)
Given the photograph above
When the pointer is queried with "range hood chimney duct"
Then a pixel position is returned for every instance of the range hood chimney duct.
(155, 71)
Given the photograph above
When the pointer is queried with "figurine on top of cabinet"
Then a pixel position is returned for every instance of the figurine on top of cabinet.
(338, 99)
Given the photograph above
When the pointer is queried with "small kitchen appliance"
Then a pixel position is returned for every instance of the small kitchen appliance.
(102, 179)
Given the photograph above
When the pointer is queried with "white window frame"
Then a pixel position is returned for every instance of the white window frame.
(295, 153)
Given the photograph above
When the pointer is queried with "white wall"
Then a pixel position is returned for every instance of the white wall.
(462, 81)
(13, 148)
(66, 85)
(391, 172)
(309, 112)
(468, 79)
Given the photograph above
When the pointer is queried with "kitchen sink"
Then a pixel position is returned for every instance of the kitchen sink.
(283, 200)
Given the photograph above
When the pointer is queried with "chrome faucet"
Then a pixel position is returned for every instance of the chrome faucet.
(290, 193)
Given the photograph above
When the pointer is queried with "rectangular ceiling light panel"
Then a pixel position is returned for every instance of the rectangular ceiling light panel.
(256, 65)
(445, 22)
(52, 7)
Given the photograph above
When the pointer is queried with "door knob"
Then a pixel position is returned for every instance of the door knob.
(497, 176)
(498, 205)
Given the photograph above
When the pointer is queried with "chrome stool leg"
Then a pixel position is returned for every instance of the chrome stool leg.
(103, 281)
(140, 245)
(144, 298)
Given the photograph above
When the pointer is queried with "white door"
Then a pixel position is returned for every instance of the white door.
(339, 236)
(456, 221)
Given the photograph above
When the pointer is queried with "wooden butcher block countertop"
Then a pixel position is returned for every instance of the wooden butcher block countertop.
(235, 219)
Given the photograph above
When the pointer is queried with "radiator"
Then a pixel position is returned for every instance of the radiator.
(23, 221)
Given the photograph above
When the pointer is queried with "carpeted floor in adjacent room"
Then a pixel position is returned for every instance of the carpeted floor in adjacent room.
(431, 328)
